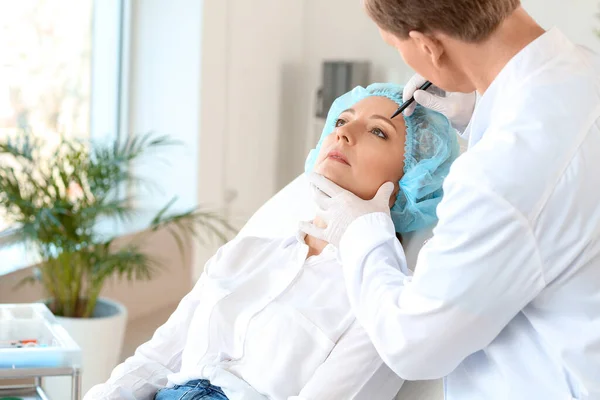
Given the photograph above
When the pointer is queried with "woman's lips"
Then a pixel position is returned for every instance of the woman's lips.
(338, 156)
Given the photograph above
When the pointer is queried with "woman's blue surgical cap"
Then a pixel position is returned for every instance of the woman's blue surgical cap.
(431, 147)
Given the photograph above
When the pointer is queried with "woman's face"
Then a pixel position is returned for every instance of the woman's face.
(366, 149)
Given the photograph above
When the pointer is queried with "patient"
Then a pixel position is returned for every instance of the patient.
(269, 318)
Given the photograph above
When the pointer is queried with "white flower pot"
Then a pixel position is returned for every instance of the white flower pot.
(101, 341)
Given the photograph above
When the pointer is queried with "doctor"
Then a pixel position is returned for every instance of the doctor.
(505, 300)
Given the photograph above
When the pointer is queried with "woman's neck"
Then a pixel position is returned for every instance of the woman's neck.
(315, 246)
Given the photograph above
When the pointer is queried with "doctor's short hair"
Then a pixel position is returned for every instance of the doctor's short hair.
(468, 20)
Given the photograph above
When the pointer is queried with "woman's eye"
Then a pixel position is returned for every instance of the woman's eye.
(339, 122)
(379, 132)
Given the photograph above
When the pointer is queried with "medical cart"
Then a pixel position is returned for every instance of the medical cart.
(34, 345)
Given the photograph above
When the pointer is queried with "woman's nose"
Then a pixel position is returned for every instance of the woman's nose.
(344, 133)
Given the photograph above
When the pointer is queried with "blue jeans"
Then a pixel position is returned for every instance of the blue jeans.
(193, 390)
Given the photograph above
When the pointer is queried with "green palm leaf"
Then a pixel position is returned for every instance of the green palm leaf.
(56, 202)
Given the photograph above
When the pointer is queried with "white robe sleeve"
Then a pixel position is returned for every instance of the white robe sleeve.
(143, 374)
(478, 271)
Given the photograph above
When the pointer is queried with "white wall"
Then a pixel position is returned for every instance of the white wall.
(265, 51)
(252, 74)
(576, 18)
(338, 29)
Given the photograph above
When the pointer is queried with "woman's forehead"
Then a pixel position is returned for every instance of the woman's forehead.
(375, 104)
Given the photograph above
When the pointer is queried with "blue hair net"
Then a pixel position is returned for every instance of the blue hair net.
(431, 147)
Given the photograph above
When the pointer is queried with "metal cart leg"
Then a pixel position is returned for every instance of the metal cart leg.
(76, 385)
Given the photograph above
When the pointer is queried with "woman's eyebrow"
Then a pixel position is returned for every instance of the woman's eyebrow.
(350, 110)
(382, 118)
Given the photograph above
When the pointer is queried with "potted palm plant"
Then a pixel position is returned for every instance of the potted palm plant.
(55, 200)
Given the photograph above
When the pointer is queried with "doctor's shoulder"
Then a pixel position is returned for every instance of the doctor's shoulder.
(499, 169)
(242, 255)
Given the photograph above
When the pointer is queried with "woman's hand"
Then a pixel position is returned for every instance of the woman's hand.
(338, 208)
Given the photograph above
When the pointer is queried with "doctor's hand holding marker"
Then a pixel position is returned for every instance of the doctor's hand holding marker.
(457, 107)
(504, 302)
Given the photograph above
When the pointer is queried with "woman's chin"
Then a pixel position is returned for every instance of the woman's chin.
(330, 172)
(345, 180)
(335, 174)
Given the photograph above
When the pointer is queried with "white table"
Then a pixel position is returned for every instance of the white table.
(34, 346)
(35, 391)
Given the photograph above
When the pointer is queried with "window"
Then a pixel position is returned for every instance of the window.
(45, 64)
(62, 68)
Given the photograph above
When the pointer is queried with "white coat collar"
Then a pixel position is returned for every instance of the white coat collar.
(512, 80)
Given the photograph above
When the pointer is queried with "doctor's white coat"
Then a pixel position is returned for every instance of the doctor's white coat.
(505, 300)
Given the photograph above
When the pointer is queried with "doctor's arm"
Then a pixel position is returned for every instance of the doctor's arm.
(472, 278)
(144, 373)
(353, 371)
